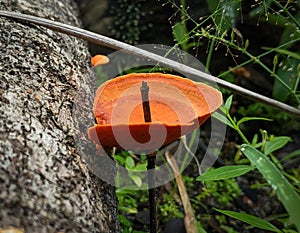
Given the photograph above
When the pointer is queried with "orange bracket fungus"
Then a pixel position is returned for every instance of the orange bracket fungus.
(143, 111)
(99, 60)
(178, 106)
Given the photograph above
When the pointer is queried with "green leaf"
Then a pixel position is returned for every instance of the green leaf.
(244, 119)
(212, 5)
(225, 13)
(228, 103)
(291, 155)
(136, 179)
(129, 162)
(140, 167)
(129, 210)
(225, 172)
(254, 139)
(222, 118)
(119, 158)
(275, 144)
(290, 32)
(284, 190)
(250, 219)
(180, 32)
(285, 52)
(286, 70)
(200, 228)
(122, 191)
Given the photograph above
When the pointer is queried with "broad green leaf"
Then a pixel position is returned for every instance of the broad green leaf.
(284, 190)
(225, 172)
(119, 159)
(129, 162)
(222, 118)
(136, 179)
(275, 144)
(140, 167)
(250, 219)
(244, 119)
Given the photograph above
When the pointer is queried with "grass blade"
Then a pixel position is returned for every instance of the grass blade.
(223, 119)
(225, 172)
(250, 219)
(275, 144)
(284, 190)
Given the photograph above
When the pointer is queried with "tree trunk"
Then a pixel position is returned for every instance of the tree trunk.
(45, 183)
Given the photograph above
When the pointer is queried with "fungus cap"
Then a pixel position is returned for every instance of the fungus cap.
(177, 105)
(99, 60)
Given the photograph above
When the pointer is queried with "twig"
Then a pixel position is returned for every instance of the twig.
(145, 99)
(117, 45)
(151, 161)
(189, 219)
(152, 192)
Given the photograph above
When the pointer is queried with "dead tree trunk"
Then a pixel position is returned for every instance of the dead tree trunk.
(45, 184)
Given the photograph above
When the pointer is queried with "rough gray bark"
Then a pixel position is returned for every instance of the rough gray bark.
(45, 183)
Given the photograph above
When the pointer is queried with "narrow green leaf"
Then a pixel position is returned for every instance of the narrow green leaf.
(291, 155)
(223, 109)
(244, 119)
(180, 32)
(250, 219)
(225, 172)
(246, 44)
(285, 52)
(129, 210)
(284, 190)
(222, 118)
(275, 144)
(228, 103)
(254, 139)
(121, 191)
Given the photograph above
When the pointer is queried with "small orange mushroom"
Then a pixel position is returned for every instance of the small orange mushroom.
(178, 106)
(99, 60)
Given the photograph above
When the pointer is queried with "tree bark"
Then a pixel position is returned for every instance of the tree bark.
(45, 183)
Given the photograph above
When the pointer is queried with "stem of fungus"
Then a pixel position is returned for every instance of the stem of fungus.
(151, 161)
(152, 192)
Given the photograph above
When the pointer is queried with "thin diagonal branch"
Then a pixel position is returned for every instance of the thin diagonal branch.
(117, 45)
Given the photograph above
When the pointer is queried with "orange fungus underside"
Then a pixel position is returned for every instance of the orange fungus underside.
(177, 105)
